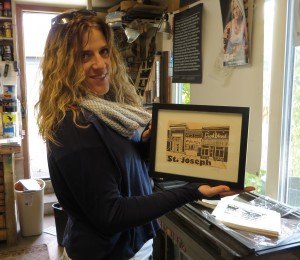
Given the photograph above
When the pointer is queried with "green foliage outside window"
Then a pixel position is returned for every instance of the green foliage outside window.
(257, 181)
(186, 93)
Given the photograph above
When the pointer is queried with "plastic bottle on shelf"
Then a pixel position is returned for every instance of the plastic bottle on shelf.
(1, 8)
(1, 59)
(7, 31)
(7, 8)
(7, 53)
(1, 30)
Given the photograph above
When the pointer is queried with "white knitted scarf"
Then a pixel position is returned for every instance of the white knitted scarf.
(123, 118)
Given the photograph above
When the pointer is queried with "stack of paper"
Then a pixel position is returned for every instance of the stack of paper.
(247, 217)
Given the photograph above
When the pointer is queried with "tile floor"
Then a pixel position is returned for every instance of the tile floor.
(55, 251)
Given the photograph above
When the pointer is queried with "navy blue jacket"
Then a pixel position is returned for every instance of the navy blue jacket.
(101, 180)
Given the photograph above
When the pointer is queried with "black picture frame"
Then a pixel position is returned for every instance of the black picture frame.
(199, 143)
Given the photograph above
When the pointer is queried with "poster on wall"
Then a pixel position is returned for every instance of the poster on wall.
(187, 60)
(235, 32)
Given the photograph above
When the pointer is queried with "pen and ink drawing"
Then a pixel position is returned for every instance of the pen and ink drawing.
(197, 144)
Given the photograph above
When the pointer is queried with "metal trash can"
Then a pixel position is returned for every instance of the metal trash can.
(61, 219)
(30, 205)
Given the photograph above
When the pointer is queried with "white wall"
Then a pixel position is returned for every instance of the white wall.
(240, 86)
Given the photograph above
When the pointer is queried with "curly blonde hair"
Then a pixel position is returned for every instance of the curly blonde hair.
(62, 70)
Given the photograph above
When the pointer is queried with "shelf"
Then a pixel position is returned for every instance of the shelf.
(6, 39)
(5, 18)
(10, 145)
(10, 149)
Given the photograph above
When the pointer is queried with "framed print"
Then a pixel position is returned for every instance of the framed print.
(198, 143)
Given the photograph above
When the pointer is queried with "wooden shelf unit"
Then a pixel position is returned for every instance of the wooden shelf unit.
(9, 230)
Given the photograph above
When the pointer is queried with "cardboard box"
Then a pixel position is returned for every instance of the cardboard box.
(173, 5)
(124, 5)
(2, 221)
(3, 234)
(114, 8)
(102, 15)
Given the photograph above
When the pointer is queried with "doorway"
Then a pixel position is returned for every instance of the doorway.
(34, 23)
(35, 35)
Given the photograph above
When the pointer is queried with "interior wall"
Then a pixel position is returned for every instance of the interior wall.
(239, 86)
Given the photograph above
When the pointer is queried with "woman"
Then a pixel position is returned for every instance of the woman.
(235, 35)
(91, 117)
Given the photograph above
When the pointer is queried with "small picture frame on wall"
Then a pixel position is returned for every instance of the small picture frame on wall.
(197, 143)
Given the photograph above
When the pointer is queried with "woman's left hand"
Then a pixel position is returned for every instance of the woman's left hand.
(221, 190)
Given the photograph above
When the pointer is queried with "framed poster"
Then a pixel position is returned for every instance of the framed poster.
(198, 143)
(235, 32)
(187, 53)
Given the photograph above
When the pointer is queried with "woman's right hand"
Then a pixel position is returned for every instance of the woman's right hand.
(221, 190)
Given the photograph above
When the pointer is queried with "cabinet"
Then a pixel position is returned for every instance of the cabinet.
(8, 222)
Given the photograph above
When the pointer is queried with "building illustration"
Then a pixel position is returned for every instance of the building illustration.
(203, 146)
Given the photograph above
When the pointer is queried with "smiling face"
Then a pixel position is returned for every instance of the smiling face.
(96, 62)
(235, 9)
